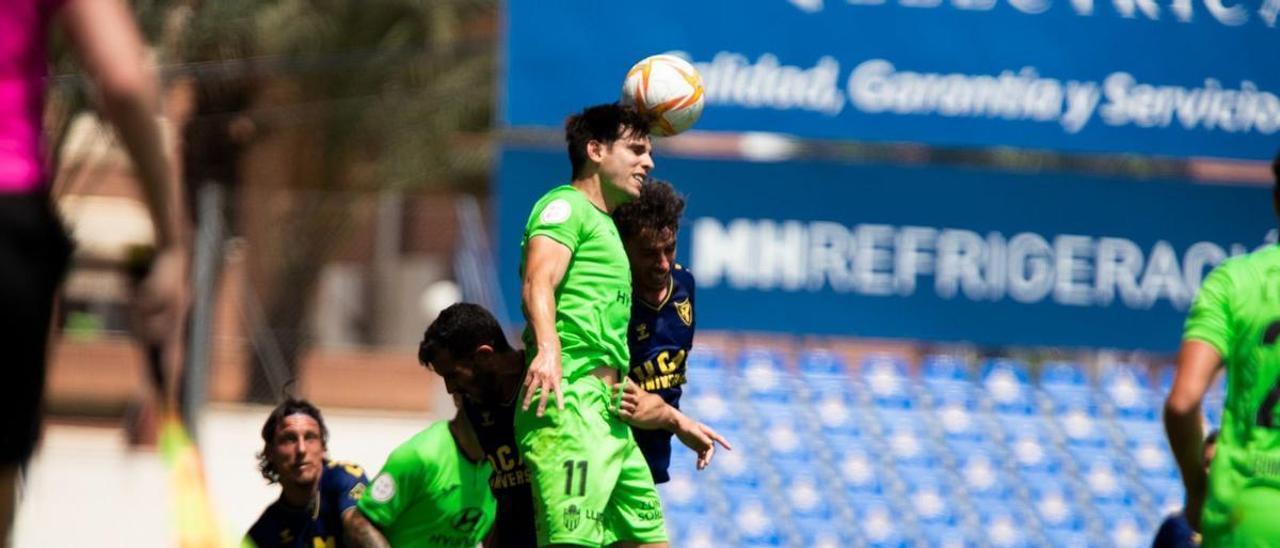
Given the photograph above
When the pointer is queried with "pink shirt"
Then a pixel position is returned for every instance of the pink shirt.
(24, 34)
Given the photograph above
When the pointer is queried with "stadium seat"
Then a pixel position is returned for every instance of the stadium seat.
(695, 531)
(823, 373)
(738, 468)
(887, 382)
(860, 473)
(1105, 482)
(783, 432)
(836, 416)
(958, 416)
(1168, 493)
(754, 517)
(1152, 458)
(822, 533)
(705, 370)
(1126, 528)
(1080, 427)
(763, 377)
(1055, 506)
(714, 408)
(906, 436)
(928, 494)
(1129, 391)
(1006, 384)
(1002, 525)
(880, 524)
(807, 495)
(945, 372)
(982, 476)
(684, 493)
(1032, 452)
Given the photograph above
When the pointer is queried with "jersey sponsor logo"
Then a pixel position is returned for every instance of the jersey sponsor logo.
(468, 520)
(572, 517)
(556, 212)
(684, 309)
(383, 488)
(663, 371)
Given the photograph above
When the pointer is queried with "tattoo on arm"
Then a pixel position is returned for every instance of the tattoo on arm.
(360, 532)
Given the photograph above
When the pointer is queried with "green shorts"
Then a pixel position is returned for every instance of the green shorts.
(1249, 519)
(591, 484)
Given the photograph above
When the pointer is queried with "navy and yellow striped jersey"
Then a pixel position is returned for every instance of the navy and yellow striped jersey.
(660, 339)
(282, 526)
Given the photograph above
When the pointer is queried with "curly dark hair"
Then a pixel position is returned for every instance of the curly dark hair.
(604, 123)
(461, 329)
(658, 207)
(291, 406)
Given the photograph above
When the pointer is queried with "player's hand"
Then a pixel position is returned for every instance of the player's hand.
(160, 303)
(702, 439)
(544, 376)
(642, 409)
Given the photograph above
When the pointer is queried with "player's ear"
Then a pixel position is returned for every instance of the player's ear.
(595, 150)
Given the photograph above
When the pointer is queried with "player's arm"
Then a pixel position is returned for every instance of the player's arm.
(648, 411)
(111, 50)
(1205, 341)
(546, 262)
(360, 532)
(1197, 363)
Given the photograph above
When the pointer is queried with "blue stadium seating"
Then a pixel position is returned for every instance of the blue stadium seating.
(884, 456)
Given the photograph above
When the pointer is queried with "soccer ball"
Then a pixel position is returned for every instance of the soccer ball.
(667, 88)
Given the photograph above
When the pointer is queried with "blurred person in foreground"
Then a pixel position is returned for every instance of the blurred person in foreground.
(465, 345)
(660, 335)
(1176, 531)
(1233, 323)
(34, 247)
(317, 495)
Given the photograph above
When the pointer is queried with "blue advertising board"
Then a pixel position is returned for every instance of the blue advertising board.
(931, 253)
(1172, 78)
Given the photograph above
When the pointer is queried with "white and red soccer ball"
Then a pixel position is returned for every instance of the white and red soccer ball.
(667, 88)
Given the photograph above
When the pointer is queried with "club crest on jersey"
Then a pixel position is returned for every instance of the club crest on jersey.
(572, 517)
(468, 520)
(684, 309)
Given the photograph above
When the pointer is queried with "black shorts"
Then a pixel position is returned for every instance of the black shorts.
(34, 254)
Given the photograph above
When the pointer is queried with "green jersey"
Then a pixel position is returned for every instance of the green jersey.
(429, 494)
(593, 301)
(1237, 311)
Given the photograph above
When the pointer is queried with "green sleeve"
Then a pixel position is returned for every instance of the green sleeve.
(559, 218)
(393, 490)
(1208, 320)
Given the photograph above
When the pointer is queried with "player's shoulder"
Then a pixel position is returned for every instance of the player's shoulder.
(342, 473)
(1241, 268)
(267, 526)
(683, 277)
(558, 205)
